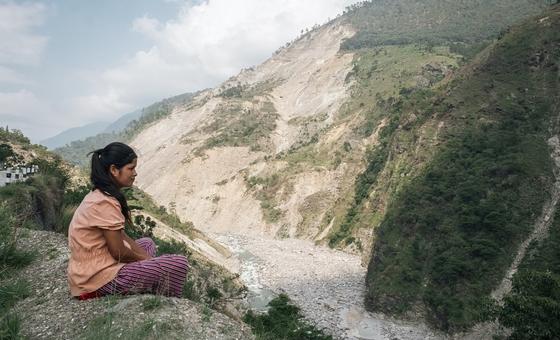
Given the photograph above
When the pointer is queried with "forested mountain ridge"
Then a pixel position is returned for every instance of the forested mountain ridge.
(461, 23)
(451, 232)
(73, 134)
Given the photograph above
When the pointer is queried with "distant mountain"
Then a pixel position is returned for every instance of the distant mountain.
(89, 130)
(121, 123)
(73, 134)
(121, 130)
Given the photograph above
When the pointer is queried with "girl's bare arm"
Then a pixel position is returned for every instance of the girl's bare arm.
(119, 251)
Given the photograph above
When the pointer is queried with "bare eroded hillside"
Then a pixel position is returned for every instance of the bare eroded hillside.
(208, 184)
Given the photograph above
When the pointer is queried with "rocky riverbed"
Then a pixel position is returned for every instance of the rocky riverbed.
(328, 285)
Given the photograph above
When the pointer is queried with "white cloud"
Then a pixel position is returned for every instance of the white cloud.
(22, 48)
(19, 45)
(205, 44)
(147, 26)
(10, 76)
(24, 110)
(223, 36)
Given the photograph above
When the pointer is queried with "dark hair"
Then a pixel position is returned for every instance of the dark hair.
(118, 154)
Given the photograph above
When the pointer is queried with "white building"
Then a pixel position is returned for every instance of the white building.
(16, 174)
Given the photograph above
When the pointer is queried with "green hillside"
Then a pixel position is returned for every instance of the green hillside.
(451, 231)
(435, 22)
(405, 51)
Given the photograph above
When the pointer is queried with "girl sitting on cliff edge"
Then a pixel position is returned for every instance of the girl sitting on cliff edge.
(103, 258)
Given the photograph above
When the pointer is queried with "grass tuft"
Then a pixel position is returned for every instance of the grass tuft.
(10, 326)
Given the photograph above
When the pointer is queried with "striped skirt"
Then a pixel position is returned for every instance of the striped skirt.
(163, 275)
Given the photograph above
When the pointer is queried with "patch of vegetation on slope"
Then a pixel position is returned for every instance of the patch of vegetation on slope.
(449, 234)
(237, 124)
(265, 190)
(383, 72)
(17, 149)
(248, 92)
(246, 117)
(15, 136)
(139, 200)
(461, 24)
(390, 80)
(76, 152)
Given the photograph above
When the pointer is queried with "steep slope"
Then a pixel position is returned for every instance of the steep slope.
(530, 309)
(453, 229)
(199, 159)
(542, 225)
(275, 150)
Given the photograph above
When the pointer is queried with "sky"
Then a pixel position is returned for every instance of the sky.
(68, 63)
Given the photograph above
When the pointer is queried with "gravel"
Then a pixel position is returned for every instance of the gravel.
(328, 286)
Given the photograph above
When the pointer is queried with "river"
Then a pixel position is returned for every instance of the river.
(328, 286)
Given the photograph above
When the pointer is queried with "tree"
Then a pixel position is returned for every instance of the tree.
(532, 309)
(6, 152)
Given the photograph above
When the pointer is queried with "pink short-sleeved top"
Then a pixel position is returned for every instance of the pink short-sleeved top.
(91, 265)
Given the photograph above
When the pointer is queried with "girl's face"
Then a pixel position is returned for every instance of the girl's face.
(124, 177)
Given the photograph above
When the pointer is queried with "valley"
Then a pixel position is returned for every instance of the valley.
(392, 179)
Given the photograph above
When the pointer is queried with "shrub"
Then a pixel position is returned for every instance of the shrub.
(190, 291)
(12, 292)
(152, 303)
(282, 321)
(10, 256)
(10, 325)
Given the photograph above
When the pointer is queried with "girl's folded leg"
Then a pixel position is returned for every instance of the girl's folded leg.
(163, 275)
(148, 245)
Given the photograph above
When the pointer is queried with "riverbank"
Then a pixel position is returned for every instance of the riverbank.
(328, 286)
